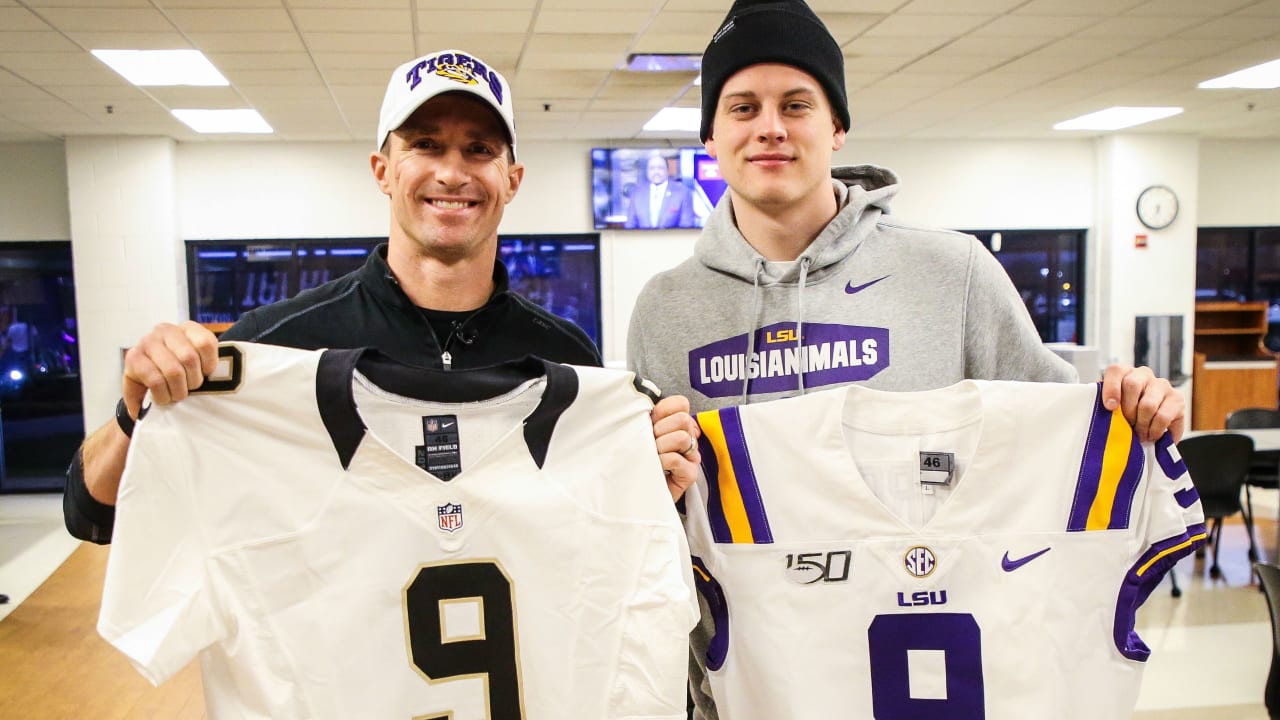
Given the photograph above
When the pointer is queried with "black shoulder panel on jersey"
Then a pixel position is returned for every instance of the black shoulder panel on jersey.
(337, 404)
(562, 390)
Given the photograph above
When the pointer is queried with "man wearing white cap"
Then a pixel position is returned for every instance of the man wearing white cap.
(434, 295)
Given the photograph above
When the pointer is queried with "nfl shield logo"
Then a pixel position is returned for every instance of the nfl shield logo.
(450, 516)
(433, 425)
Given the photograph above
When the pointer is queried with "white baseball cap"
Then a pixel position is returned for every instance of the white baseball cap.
(417, 81)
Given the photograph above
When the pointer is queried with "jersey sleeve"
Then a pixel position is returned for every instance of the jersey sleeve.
(156, 604)
(1170, 526)
(651, 673)
(660, 607)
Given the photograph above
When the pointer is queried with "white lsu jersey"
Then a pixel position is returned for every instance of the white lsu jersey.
(292, 525)
(976, 552)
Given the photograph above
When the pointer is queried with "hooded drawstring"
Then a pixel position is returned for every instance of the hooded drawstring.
(804, 274)
(751, 327)
(756, 292)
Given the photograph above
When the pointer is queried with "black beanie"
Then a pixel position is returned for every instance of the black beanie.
(772, 31)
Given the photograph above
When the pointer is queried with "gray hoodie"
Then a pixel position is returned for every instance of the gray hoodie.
(879, 302)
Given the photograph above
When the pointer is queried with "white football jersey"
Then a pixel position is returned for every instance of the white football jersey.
(292, 525)
(968, 553)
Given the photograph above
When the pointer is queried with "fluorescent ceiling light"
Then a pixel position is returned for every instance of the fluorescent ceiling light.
(1115, 118)
(673, 118)
(162, 67)
(240, 120)
(664, 62)
(1259, 77)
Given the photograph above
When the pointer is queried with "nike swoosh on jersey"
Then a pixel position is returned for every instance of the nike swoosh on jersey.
(850, 288)
(1011, 565)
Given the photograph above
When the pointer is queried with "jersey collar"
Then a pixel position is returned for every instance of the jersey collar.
(336, 400)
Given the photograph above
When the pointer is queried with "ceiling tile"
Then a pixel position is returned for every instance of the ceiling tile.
(1139, 27)
(399, 43)
(242, 20)
(170, 40)
(926, 25)
(701, 24)
(35, 41)
(247, 42)
(499, 21)
(1076, 7)
(361, 20)
(100, 19)
(1195, 8)
(589, 21)
(671, 43)
(16, 19)
(1023, 25)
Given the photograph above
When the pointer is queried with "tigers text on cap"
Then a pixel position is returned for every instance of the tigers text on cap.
(417, 81)
(773, 31)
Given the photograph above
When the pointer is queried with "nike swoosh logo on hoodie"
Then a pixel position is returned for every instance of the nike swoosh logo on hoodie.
(850, 288)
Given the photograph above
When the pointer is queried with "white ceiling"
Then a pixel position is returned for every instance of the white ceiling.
(316, 69)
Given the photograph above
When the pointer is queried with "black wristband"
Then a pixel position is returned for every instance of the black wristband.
(125, 422)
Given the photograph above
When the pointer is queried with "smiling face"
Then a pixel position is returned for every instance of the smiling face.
(773, 135)
(448, 173)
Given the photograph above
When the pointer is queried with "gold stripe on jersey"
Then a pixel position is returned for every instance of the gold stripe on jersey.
(729, 493)
(1115, 461)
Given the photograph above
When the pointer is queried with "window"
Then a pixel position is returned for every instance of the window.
(1241, 264)
(1047, 268)
(41, 412)
(226, 279)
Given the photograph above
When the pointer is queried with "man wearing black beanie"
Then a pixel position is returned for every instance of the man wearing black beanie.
(800, 281)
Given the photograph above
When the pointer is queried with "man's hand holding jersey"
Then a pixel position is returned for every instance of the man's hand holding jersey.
(1151, 404)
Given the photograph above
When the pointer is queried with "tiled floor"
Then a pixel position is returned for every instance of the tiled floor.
(1210, 648)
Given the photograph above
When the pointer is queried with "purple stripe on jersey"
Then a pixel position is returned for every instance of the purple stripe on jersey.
(1090, 465)
(743, 470)
(1139, 582)
(718, 605)
(1134, 469)
(825, 354)
(715, 510)
(1187, 498)
(1172, 467)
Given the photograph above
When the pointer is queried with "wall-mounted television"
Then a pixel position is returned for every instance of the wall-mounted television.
(653, 188)
(226, 278)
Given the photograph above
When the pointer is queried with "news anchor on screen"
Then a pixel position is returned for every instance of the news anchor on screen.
(661, 202)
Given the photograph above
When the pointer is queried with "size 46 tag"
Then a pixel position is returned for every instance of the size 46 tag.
(937, 468)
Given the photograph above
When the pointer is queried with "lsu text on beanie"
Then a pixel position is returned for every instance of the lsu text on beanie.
(773, 31)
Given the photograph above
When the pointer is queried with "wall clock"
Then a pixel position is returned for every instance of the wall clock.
(1157, 207)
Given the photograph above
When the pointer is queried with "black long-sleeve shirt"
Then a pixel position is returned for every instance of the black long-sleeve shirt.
(367, 308)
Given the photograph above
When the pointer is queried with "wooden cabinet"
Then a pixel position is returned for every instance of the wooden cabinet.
(1232, 368)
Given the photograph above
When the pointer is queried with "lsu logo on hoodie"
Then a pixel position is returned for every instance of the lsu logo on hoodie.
(825, 354)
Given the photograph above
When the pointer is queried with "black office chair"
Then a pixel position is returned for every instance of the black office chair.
(1264, 469)
(1269, 575)
(1218, 464)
